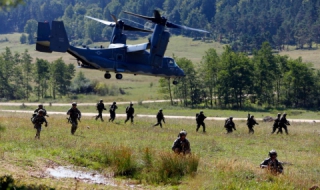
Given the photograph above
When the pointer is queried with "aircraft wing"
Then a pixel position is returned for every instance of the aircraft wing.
(138, 47)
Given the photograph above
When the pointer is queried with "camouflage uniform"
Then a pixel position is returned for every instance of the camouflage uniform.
(272, 164)
(130, 113)
(112, 111)
(276, 124)
(229, 125)
(75, 115)
(100, 108)
(181, 144)
(283, 124)
(38, 120)
(251, 122)
(160, 118)
(200, 121)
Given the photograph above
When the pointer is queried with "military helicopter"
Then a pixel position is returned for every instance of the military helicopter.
(118, 57)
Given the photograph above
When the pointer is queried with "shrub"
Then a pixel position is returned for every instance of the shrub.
(173, 167)
(23, 39)
(122, 161)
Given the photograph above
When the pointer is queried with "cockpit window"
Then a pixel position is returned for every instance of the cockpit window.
(171, 63)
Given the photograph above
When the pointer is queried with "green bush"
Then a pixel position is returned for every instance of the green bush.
(173, 167)
(123, 162)
(23, 39)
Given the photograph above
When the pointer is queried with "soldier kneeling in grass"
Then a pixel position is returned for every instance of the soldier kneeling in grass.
(38, 120)
(181, 144)
(272, 164)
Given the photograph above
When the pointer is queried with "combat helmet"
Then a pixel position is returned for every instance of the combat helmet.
(160, 109)
(230, 117)
(40, 105)
(279, 114)
(114, 102)
(41, 111)
(183, 133)
(131, 103)
(272, 152)
(101, 101)
(74, 103)
(201, 111)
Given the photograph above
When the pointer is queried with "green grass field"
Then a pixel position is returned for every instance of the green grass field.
(226, 161)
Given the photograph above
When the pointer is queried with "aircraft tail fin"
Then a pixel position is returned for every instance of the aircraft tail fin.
(54, 39)
(59, 40)
(43, 37)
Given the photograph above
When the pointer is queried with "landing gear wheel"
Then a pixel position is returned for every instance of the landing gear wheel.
(118, 76)
(107, 76)
(175, 82)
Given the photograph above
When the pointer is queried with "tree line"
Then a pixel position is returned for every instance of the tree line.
(23, 78)
(244, 24)
(235, 80)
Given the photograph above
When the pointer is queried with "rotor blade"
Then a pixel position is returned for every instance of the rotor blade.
(172, 25)
(131, 28)
(112, 24)
(114, 18)
(136, 23)
(140, 16)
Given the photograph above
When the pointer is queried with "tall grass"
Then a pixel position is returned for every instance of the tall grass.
(143, 154)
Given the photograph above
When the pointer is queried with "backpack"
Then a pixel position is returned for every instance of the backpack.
(32, 118)
(197, 116)
(226, 122)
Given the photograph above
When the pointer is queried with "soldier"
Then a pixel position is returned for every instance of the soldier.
(130, 113)
(283, 124)
(74, 115)
(40, 107)
(181, 144)
(272, 164)
(112, 111)
(160, 118)
(200, 121)
(276, 123)
(38, 120)
(100, 108)
(229, 125)
(251, 122)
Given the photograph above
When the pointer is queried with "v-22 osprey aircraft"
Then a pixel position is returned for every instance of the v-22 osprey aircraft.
(118, 57)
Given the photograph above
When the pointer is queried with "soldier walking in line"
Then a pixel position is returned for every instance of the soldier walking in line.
(100, 108)
(38, 120)
(112, 111)
(130, 113)
(283, 124)
(276, 123)
(229, 125)
(181, 144)
(200, 121)
(74, 115)
(160, 118)
(251, 122)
